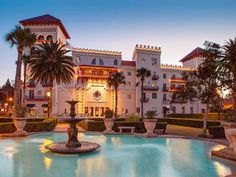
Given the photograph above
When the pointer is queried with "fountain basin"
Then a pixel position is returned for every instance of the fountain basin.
(61, 148)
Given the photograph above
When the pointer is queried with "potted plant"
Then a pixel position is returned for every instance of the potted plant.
(20, 120)
(150, 123)
(109, 121)
(229, 123)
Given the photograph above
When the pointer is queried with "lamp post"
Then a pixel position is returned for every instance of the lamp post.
(48, 96)
(10, 99)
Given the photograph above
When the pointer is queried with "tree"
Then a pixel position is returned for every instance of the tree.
(142, 73)
(26, 61)
(21, 38)
(50, 64)
(203, 82)
(115, 80)
(227, 68)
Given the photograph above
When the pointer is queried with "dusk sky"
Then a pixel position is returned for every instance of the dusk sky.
(177, 26)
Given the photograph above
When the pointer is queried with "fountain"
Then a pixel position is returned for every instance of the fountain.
(73, 145)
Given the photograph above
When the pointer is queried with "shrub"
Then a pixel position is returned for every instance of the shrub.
(2, 120)
(90, 125)
(212, 116)
(45, 125)
(151, 114)
(7, 127)
(216, 131)
(189, 122)
(109, 113)
(133, 118)
(230, 116)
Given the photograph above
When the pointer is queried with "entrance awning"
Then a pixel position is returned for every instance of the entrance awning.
(30, 105)
(45, 105)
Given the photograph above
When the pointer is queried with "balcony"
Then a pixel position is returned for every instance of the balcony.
(36, 98)
(165, 89)
(155, 77)
(145, 99)
(100, 75)
(177, 80)
(151, 88)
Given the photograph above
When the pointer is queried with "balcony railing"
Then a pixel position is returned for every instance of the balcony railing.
(151, 88)
(165, 89)
(94, 75)
(36, 98)
(155, 77)
(145, 99)
(176, 79)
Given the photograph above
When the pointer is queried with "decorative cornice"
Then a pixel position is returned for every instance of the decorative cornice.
(95, 51)
(167, 66)
(147, 48)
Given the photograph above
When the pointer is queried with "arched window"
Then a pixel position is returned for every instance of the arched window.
(101, 61)
(93, 62)
(41, 38)
(49, 38)
(115, 62)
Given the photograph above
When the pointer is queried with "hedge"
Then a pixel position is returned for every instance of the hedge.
(44, 125)
(216, 131)
(189, 122)
(2, 120)
(213, 116)
(90, 125)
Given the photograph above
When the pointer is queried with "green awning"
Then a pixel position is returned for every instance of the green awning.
(30, 105)
(45, 105)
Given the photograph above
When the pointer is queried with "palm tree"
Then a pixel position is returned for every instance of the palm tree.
(20, 37)
(50, 64)
(227, 67)
(115, 80)
(26, 60)
(142, 73)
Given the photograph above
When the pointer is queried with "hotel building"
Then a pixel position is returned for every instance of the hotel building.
(93, 67)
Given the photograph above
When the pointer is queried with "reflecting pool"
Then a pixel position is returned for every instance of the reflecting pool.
(119, 156)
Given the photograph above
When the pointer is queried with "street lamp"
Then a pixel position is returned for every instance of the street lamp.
(48, 96)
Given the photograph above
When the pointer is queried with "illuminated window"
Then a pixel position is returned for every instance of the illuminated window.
(143, 61)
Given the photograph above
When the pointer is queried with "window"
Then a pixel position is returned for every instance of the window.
(164, 87)
(129, 83)
(173, 109)
(203, 110)
(183, 110)
(49, 38)
(129, 96)
(138, 109)
(31, 94)
(191, 110)
(115, 62)
(93, 62)
(173, 76)
(143, 61)
(78, 59)
(164, 76)
(129, 73)
(41, 38)
(39, 92)
(154, 61)
(101, 61)
(154, 95)
(164, 97)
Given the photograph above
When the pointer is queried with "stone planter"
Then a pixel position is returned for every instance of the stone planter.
(20, 124)
(109, 122)
(150, 125)
(227, 127)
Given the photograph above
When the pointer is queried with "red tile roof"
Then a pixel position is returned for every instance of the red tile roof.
(195, 53)
(127, 62)
(45, 20)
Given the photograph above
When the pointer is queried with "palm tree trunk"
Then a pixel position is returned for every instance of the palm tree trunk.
(17, 87)
(116, 101)
(234, 91)
(50, 99)
(142, 98)
(204, 130)
(24, 87)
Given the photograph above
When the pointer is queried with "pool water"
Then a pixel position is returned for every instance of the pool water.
(119, 156)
